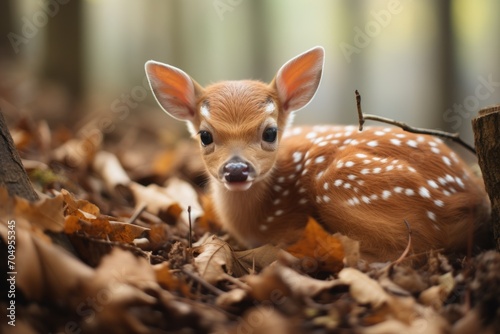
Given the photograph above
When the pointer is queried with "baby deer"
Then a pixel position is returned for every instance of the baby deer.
(267, 178)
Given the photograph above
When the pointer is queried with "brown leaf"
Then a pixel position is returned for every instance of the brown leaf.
(45, 272)
(362, 288)
(77, 207)
(125, 232)
(214, 258)
(258, 258)
(323, 250)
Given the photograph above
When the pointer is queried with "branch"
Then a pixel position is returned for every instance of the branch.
(363, 117)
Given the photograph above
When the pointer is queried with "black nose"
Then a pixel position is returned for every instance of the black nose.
(236, 171)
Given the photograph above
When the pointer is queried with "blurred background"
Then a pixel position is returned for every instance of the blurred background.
(428, 63)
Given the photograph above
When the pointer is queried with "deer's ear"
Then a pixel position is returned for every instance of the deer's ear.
(174, 90)
(297, 81)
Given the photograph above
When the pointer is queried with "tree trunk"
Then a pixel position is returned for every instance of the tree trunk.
(486, 128)
(13, 176)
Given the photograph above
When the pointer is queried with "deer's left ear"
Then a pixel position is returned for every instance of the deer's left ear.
(297, 81)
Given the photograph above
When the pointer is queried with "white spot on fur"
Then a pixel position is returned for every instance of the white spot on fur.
(278, 212)
(361, 155)
(386, 194)
(411, 169)
(412, 143)
(398, 190)
(311, 135)
(298, 167)
(323, 143)
(424, 192)
(286, 193)
(379, 133)
(302, 190)
(435, 150)
(389, 168)
(349, 164)
(374, 197)
(325, 185)
(431, 215)
(319, 159)
(400, 135)
(326, 199)
(338, 183)
(439, 203)
(372, 143)
(269, 219)
(281, 179)
(347, 185)
(433, 184)
(409, 192)
(365, 171)
(365, 199)
(447, 160)
(303, 201)
(376, 170)
(276, 201)
(297, 156)
(351, 177)
(459, 182)
(263, 227)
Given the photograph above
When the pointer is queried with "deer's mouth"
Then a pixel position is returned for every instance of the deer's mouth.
(238, 185)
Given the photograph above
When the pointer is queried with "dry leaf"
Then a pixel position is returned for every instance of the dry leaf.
(45, 272)
(323, 251)
(258, 258)
(362, 288)
(214, 258)
(110, 170)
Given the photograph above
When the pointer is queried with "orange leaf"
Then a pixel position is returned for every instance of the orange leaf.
(125, 232)
(318, 249)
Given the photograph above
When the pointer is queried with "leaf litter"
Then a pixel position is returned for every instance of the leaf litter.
(107, 249)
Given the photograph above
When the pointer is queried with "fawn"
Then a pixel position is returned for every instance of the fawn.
(267, 177)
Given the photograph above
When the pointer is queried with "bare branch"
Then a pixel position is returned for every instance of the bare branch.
(362, 117)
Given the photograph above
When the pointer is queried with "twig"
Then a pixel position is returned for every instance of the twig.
(363, 117)
(137, 213)
(202, 282)
(190, 227)
(408, 246)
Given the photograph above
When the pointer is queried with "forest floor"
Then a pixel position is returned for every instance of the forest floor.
(124, 240)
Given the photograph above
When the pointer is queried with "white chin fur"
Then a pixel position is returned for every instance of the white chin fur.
(238, 186)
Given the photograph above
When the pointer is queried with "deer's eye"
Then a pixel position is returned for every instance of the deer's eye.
(269, 135)
(206, 138)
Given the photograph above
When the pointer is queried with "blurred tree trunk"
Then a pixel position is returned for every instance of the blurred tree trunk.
(13, 176)
(63, 57)
(5, 27)
(486, 128)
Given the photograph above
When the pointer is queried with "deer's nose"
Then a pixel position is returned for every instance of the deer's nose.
(236, 171)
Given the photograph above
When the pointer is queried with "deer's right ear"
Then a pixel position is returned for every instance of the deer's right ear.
(173, 89)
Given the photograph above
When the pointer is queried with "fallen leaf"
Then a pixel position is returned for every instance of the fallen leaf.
(258, 258)
(323, 251)
(45, 272)
(362, 288)
(215, 258)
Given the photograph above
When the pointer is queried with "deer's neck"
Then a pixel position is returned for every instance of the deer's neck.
(241, 211)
